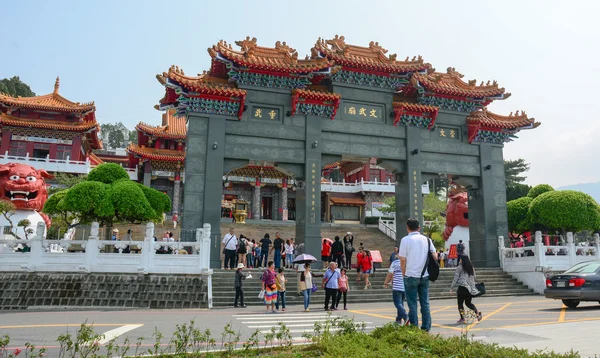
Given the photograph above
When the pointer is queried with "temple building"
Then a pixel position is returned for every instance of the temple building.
(160, 154)
(49, 132)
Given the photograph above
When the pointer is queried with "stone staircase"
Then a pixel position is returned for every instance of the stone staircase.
(497, 282)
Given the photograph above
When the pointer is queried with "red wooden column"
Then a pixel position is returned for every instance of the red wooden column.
(5, 146)
(76, 149)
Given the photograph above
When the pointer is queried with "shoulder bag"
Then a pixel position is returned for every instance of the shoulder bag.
(432, 266)
(225, 247)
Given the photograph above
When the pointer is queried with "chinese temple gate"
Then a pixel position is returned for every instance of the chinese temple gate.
(343, 103)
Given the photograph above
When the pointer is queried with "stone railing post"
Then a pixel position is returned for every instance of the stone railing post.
(597, 246)
(148, 250)
(37, 248)
(92, 248)
(539, 252)
(501, 250)
(572, 250)
(203, 239)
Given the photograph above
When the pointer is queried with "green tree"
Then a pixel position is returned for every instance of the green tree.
(513, 172)
(538, 190)
(15, 87)
(433, 207)
(65, 181)
(390, 205)
(116, 139)
(565, 210)
(516, 191)
(108, 197)
(133, 137)
(518, 211)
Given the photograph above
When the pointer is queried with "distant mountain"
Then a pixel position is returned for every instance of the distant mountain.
(592, 189)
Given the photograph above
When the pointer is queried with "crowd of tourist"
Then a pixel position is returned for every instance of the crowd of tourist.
(408, 273)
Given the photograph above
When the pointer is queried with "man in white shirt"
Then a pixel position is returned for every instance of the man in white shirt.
(413, 254)
(229, 244)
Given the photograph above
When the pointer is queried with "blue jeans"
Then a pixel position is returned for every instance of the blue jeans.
(280, 299)
(289, 258)
(277, 258)
(418, 287)
(398, 297)
(264, 256)
(307, 293)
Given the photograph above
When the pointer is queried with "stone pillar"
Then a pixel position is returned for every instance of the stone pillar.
(176, 194)
(256, 200)
(308, 197)
(409, 199)
(147, 173)
(487, 208)
(284, 200)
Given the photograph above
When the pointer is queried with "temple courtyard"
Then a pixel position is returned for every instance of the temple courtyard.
(526, 322)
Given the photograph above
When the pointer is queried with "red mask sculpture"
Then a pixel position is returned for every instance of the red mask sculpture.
(24, 186)
(456, 213)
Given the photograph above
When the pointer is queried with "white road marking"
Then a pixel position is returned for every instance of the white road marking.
(280, 317)
(304, 330)
(285, 321)
(299, 325)
(114, 333)
(284, 314)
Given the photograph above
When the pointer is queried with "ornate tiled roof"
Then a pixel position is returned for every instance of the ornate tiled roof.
(414, 114)
(257, 171)
(173, 127)
(95, 159)
(451, 84)
(50, 102)
(491, 120)
(282, 58)
(347, 201)
(317, 95)
(156, 154)
(414, 107)
(310, 102)
(8, 120)
(372, 58)
(203, 83)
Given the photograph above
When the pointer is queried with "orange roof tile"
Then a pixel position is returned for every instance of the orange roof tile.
(414, 107)
(173, 127)
(347, 201)
(156, 154)
(8, 120)
(256, 171)
(49, 102)
(368, 58)
(489, 119)
(451, 83)
(203, 83)
(281, 58)
(317, 95)
(95, 159)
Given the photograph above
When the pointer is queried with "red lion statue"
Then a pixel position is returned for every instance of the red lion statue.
(25, 187)
(456, 211)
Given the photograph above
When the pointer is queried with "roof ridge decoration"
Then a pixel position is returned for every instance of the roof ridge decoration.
(372, 58)
(53, 102)
(203, 94)
(449, 91)
(488, 127)
(315, 103)
(414, 114)
(173, 126)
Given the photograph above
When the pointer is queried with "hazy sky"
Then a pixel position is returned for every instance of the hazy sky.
(543, 52)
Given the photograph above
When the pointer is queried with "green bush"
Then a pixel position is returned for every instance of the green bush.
(518, 211)
(108, 173)
(538, 190)
(565, 210)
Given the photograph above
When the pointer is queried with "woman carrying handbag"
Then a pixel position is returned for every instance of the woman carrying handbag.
(464, 278)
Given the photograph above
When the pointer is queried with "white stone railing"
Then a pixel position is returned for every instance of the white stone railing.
(58, 165)
(358, 186)
(531, 264)
(388, 227)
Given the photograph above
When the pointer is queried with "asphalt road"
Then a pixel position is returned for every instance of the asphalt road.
(530, 322)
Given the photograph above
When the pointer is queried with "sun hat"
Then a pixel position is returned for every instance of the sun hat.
(240, 266)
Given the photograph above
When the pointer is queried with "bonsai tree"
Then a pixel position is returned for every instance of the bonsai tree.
(566, 210)
(108, 196)
(7, 210)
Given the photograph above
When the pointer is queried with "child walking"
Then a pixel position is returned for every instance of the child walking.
(239, 285)
(280, 281)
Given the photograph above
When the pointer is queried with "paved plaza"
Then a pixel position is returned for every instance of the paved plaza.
(527, 322)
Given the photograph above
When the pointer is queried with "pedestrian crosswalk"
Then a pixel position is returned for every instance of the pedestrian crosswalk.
(298, 323)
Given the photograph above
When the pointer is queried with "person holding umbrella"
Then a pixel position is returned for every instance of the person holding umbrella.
(301, 261)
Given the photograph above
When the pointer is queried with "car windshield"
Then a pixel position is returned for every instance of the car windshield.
(584, 267)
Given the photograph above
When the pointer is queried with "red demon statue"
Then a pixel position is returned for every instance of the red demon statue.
(25, 187)
(456, 213)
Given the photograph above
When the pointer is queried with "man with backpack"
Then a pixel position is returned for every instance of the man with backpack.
(460, 250)
(417, 254)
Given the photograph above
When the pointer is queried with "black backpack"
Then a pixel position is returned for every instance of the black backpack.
(432, 266)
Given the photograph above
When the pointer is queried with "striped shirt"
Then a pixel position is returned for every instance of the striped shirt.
(396, 269)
